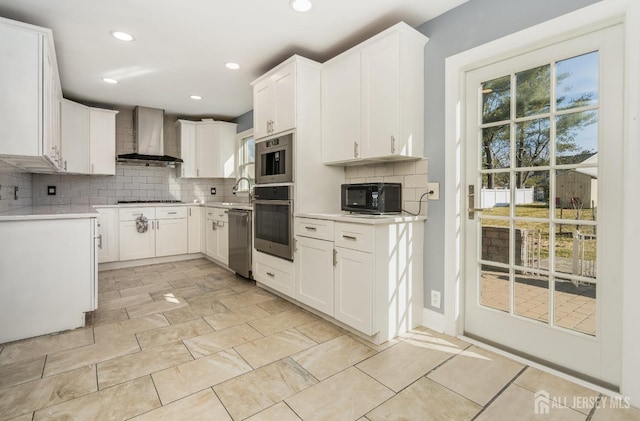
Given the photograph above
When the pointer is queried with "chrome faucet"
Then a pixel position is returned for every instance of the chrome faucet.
(235, 188)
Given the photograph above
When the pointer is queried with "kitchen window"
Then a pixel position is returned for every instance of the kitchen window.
(246, 158)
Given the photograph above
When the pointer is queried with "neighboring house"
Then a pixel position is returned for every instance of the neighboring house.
(578, 187)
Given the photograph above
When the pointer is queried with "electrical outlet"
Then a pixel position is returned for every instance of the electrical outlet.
(435, 188)
(51, 190)
(435, 298)
(213, 191)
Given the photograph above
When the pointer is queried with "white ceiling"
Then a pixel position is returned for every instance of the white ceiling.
(180, 48)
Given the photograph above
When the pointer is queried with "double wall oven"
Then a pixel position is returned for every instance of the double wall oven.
(273, 197)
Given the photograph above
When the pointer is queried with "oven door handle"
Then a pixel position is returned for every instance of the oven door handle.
(272, 202)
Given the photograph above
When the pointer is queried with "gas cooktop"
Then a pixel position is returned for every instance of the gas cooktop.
(149, 201)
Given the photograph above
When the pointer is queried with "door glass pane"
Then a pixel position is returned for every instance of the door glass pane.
(575, 305)
(576, 250)
(533, 138)
(577, 81)
(532, 200)
(495, 241)
(495, 147)
(494, 288)
(496, 99)
(577, 138)
(531, 245)
(532, 296)
(533, 91)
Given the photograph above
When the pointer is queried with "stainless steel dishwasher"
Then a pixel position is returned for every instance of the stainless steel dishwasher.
(240, 241)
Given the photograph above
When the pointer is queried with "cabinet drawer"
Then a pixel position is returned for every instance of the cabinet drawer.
(314, 228)
(171, 212)
(217, 214)
(275, 273)
(130, 214)
(354, 236)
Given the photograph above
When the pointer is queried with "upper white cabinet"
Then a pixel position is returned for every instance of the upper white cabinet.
(88, 138)
(373, 99)
(207, 149)
(274, 107)
(30, 95)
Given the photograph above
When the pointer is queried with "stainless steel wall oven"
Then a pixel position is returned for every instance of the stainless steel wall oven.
(273, 219)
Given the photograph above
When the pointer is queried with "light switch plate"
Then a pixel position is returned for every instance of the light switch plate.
(435, 188)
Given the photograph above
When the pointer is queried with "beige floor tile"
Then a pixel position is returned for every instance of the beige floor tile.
(346, 396)
(517, 403)
(282, 321)
(210, 297)
(146, 289)
(251, 297)
(145, 362)
(22, 371)
(221, 339)
(30, 349)
(129, 327)
(100, 317)
(107, 296)
(158, 267)
(194, 312)
(90, 354)
(491, 372)
(173, 333)
(421, 335)
(425, 400)
(25, 417)
(183, 293)
(272, 348)
(115, 403)
(235, 317)
(252, 392)
(321, 330)
(333, 356)
(156, 307)
(278, 412)
(615, 410)
(277, 305)
(203, 405)
(402, 364)
(183, 380)
(117, 285)
(126, 301)
(564, 391)
(29, 397)
(379, 348)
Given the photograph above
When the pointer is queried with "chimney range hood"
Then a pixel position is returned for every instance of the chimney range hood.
(148, 129)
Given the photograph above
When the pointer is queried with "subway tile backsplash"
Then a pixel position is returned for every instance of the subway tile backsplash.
(9, 180)
(412, 175)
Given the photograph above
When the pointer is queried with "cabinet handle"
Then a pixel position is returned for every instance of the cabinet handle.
(393, 144)
(65, 164)
(173, 213)
(311, 228)
(349, 237)
(99, 238)
(189, 211)
(198, 172)
(158, 225)
(92, 170)
(335, 257)
(213, 225)
(355, 149)
(270, 274)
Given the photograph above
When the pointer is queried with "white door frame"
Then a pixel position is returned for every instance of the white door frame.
(582, 21)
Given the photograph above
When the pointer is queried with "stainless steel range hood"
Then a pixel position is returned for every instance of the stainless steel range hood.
(148, 131)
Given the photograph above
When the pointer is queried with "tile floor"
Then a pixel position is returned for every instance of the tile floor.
(191, 341)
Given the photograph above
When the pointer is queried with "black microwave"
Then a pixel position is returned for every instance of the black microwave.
(372, 197)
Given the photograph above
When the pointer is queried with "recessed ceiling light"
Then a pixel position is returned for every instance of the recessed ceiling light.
(196, 97)
(122, 36)
(109, 80)
(301, 5)
(232, 66)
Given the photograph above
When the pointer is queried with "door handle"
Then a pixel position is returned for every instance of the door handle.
(471, 198)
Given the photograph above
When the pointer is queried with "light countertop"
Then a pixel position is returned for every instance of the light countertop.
(364, 218)
(49, 212)
(224, 205)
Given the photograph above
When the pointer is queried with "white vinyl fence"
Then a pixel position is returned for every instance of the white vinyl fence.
(491, 197)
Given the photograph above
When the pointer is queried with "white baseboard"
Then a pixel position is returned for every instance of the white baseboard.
(433, 320)
(151, 261)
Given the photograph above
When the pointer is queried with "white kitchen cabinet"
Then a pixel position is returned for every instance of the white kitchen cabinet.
(102, 140)
(135, 244)
(383, 103)
(314, 271)
(195, 234)
(217, 235)
(171, 226)
(30, 94)
(207, 149)
(108, 228)
(275, 273)
(274, 109)
(354, 289)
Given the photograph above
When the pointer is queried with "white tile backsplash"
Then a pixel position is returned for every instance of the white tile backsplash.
(9, 180)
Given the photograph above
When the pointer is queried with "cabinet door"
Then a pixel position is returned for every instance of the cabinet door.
(211, 238)
(223, 242)
(171, 237)
(226, 147)
(284, 100)
(102, 132)
(194, 222)
(52, 97)
(187, 132)
(314, 272)
(381, 100)
(75, 137)
(353, 278)
(206, 150)
(341, 109)
(108, 232)
(135, 245)
(262, 108)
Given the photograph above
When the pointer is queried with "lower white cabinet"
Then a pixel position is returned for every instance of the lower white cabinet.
(217, 234)
(108, 235)
(195, 235)
(171, 231)
(165, 233)
(274, 272)
(354, 289)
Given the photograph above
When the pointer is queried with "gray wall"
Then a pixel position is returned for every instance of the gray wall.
(471, 24)
(245, 121)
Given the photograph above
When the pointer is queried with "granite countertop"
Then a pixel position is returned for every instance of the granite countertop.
(49, 212)
(364, 218)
